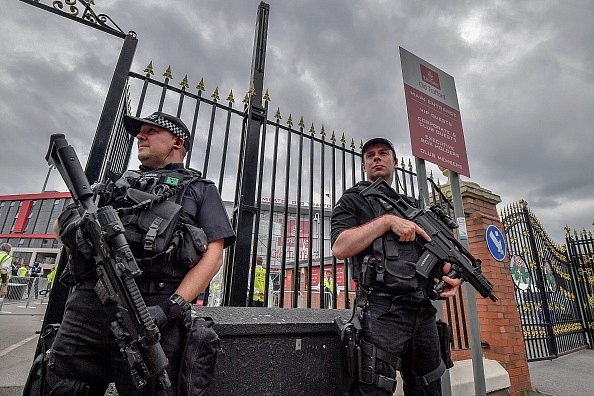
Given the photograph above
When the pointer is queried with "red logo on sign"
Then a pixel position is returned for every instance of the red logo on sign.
(430, 77)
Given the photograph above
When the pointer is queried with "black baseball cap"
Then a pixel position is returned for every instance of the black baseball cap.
(378, 140)
(174, 124)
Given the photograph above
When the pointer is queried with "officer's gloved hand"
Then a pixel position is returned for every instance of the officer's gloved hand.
(158, 315)
(167, 310)
(70, 233)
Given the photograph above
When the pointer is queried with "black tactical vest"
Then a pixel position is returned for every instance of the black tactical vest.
(162, 237)
(395, 262)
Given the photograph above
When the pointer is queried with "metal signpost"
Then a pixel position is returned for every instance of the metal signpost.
(436, 135)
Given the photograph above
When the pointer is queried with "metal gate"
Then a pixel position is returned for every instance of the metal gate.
(279, 175)
(545, 287)
(581, 252)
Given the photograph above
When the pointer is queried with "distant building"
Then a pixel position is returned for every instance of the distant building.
(26, 222)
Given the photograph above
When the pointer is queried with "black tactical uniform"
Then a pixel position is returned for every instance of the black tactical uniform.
(399, 324)
(84, 348)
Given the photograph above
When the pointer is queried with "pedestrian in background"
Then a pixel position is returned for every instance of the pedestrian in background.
(5, 266)
(23, 271)
(34, 275)
(328, 288)
(51, 277)
(259, 283)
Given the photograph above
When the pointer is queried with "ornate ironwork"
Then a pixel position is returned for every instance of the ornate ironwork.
(548, 285)
(81, 11)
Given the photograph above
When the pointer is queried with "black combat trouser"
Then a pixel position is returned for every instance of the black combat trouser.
(85, 348)
(406, 329)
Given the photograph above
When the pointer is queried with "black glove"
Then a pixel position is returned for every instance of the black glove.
(170, 309)
(70, 233)
(158, 315)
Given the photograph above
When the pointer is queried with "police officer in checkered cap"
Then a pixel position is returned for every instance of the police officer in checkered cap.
(85, 357)
(174, 124)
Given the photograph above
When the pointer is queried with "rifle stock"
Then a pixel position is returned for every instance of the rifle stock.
(444, 247)
(136, 333)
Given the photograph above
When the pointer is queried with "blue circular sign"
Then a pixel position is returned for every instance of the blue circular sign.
(495, 242)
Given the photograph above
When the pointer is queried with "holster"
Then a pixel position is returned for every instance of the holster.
(350, 351)
(446, 338)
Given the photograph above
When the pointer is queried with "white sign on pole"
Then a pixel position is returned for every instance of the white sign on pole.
(433, 114)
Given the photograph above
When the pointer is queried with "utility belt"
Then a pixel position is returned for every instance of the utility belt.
(148, 286)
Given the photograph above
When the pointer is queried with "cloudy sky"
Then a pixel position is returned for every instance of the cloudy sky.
(524, 73)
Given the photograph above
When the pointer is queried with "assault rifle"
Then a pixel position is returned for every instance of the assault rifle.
(444, 247)
(136, 333)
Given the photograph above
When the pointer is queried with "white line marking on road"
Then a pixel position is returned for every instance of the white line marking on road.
(18, 344)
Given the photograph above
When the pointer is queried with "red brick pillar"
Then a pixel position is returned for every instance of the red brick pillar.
(499, 321)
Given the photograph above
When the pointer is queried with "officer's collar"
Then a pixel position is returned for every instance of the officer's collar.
(170, 166)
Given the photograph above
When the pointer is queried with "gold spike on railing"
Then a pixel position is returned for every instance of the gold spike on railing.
(167, 73)
(402, 163)
(301, 123)
(230, 97)
(290, 121)
(323, 132)
(252, 90)
(215, 94)
(266, 96)
(352, 144)
(200, 86)
(361, 145)
(277, 115)
(431, 175)
(312, 130)
(410, 167)
(246, 98)
(343, 139)
(333, 137)
(149, 69)
(184, 82)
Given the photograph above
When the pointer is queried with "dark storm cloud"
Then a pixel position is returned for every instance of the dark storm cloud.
(523, 72)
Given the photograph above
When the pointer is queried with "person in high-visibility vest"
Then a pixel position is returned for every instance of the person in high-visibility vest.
(23, 271)
(259, 283)
(5, 263)
(328, 288)
(51, 277)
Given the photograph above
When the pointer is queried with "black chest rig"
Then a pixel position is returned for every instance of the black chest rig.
(163, 238)
(393, 266)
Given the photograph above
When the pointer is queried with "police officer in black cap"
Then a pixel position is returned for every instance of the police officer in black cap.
(399, 331)
(178, 244)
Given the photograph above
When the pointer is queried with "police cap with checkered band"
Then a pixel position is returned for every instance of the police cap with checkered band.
(174, 124)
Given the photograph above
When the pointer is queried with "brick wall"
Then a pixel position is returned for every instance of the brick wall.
(500, 321)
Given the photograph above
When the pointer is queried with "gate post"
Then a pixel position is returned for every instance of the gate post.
(111, 107)
(500, 326)
(245, 209)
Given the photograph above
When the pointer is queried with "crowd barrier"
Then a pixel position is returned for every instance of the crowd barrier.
(25, 289)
